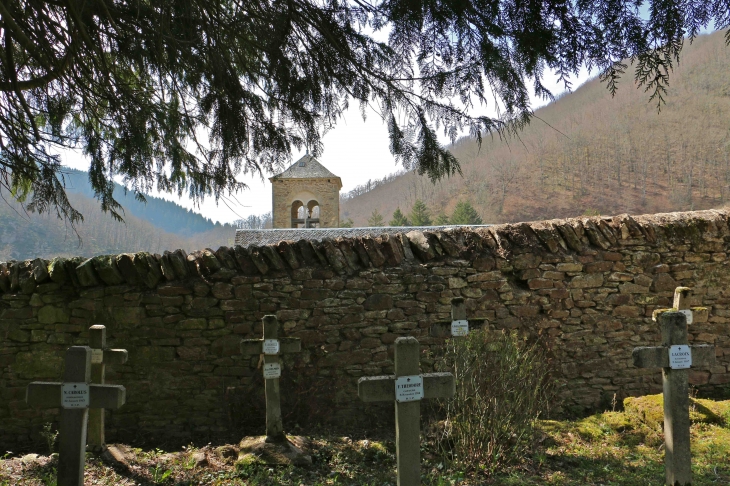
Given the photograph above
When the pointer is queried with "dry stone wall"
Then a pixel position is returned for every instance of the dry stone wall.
(587, 286)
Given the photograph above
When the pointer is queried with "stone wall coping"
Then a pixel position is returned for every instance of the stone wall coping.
(416, 245)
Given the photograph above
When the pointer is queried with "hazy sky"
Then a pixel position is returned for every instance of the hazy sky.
(355, 150)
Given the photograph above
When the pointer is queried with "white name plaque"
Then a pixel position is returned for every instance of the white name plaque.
(408, 388)
(688, 314)
(272, 370)
(459, 328)
(271, 346)
(680, 357)
(75, 395)
(97, 356)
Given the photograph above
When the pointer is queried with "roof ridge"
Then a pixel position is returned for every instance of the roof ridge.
(307, 167)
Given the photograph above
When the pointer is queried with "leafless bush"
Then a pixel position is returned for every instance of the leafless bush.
(503, 385)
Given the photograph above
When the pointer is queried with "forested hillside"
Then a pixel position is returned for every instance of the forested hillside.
(164, 214)
(589, 153)
(28, 235)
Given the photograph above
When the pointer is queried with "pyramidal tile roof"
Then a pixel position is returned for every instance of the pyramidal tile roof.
(306, 168)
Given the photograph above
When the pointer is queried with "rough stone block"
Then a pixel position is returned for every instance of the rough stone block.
(378, 302)
(663, 282)
(86, 274)
(569, 267)
(40, 270)
(627, 311)
(539, 283)
(106, 269)
(258, 260)
(39, 364)
(421, 246)
(50, 315)
(590, 280)
(598, 267)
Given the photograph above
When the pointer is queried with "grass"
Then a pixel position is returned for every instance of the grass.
(612, 448)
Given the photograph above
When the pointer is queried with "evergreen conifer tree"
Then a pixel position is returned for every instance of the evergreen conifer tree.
(420, 215)
(376, 219)
(441, 220)
(399, 219)
(464, 213)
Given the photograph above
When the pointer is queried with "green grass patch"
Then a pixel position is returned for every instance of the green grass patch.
(608, 449)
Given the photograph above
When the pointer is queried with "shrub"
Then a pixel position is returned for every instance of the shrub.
(503, 385)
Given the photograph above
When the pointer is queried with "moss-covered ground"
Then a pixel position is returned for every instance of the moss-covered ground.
(613, 448)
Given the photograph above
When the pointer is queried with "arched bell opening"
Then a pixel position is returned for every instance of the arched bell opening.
(297, 214)
(305, 216)
(313, 213)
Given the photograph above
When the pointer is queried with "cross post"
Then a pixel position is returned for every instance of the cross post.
(681, 298)
(100, 357)
(74, 396)
(675, 357)
(459, 323)
(271, 347)
(407, 387)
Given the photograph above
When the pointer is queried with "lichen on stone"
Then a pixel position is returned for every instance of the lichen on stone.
(655, 314)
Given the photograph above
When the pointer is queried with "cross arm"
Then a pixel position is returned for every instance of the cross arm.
(41, 394)
(255, 346)
(382, 388)
(115, 356)
(658, 356)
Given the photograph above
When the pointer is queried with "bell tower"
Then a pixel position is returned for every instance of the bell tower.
(306, 195)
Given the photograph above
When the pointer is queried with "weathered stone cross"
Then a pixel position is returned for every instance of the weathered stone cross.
(675, 356)
(75, 396)
(100, 357)
(407, 388)
(271, 346)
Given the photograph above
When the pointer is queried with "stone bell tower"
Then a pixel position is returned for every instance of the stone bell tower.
(306, 195)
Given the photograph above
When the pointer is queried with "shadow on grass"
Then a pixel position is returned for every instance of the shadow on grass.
(334, 462)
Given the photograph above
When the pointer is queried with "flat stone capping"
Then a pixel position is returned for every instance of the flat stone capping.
(246, 237)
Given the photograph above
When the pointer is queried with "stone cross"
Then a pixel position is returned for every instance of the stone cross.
(681, 298)
(74, 396)
(100, 357)
(674, 356)
(459, 323)
(407, 388)
(271, 346)
(680, 304)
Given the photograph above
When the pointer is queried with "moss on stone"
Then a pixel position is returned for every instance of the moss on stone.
(655, 314)
(650, 410)
(38, 364)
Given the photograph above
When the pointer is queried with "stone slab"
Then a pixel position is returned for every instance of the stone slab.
(294, 451)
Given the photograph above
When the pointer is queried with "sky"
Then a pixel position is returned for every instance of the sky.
(355, 150)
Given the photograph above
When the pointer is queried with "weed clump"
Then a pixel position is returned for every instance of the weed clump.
(503, 385)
